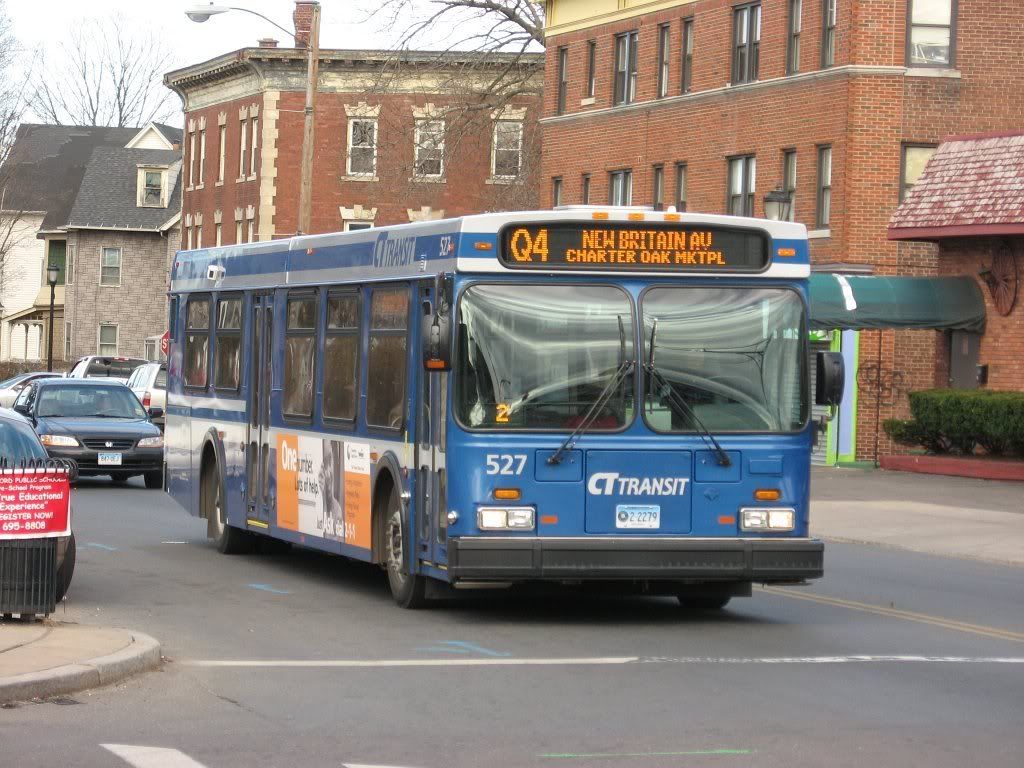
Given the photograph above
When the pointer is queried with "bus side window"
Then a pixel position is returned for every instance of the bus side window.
(197, 341)
(299, 360)
(341, 356)
(387, 360)
(227, 352)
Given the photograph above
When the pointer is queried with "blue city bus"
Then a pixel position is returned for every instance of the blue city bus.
(608, 397)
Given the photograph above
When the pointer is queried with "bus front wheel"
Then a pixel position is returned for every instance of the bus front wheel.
(229, 540)
(407, 589)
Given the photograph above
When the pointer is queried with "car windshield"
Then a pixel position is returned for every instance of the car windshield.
(18, 442)
(736, 356)
(114, 402)
(539, 356)
(118, 368)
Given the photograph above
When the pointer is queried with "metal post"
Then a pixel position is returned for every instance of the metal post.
(312, 74)
(49, 345)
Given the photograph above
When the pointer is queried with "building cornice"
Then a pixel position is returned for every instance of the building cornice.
(589, 19)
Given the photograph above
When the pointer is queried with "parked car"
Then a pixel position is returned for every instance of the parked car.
(149, 383)
(105, 367)
(98, 423)
(19, 445)
(9, 388)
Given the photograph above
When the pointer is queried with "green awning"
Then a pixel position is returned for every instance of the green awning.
(852, 302)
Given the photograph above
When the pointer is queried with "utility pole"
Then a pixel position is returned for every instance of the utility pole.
(312, 75)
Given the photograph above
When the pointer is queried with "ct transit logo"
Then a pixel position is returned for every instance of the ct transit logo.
(609, 483)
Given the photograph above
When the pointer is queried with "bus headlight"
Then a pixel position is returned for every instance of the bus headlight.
(505, 518)
(767, 519)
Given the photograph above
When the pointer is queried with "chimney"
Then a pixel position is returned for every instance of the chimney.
(267, 42)
(303, 19)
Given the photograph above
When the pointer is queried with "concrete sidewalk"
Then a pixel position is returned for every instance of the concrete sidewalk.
(950, 516)
(48, 658)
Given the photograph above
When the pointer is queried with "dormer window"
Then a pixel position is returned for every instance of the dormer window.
(152, 185)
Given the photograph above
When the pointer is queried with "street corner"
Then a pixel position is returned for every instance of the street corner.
(43, 659)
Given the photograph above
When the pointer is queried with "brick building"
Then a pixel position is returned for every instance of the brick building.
(712, 104)
(399, 137)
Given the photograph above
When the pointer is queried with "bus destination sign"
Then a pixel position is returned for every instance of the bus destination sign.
(646, 247)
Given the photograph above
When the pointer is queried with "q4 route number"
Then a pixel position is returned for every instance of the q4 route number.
(505, 463)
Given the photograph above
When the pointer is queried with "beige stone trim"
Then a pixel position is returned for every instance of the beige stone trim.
(198, 219)
(222, 118)
(572, 15)
(250, 212)
(508, 112)
(425, 213)
(188, 219)
(239, 214)
(428, 111)
(202, 122)
(357, 213)
(243, 113)
(362, 109)
(218, 216)
(268, 165)
(254, 110)
(191, 126)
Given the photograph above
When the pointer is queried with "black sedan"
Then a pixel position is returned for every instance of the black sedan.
(100, 424)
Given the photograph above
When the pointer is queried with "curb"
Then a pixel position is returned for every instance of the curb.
(142, 654)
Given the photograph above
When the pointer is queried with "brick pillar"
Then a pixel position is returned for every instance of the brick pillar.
(303, 20)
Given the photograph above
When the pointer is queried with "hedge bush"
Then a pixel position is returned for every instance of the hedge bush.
(960, 421)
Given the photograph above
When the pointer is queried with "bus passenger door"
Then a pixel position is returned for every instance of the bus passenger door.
(430, 469)
(259, 498)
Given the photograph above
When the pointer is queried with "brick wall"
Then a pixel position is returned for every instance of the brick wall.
(866, 107)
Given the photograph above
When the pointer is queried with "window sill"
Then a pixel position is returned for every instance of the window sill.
(428, 180)
(819, 234)
(198, 187)
(252, 177)
(589, 101)
(219, 183)
(189, 188)
(360, 177)
(951, 74)
(506, 180)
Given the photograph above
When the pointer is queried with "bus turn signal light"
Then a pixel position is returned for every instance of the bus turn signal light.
(508, 494)
(786, 253)
(767, 494)
(483, 245)
(599, 215)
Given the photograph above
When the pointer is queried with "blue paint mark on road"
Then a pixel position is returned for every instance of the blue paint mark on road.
(459, 646)
(270, 589)
(104, 547)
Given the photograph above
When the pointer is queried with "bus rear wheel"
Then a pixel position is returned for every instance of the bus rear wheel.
(229, 540)
(407, 589)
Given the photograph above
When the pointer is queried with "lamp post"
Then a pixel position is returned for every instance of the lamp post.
(777, 204)
(201, 13)
(52, 270)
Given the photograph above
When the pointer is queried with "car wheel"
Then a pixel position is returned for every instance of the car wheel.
(154, 480)
(66, 569)
(407, 589)
(229, 539)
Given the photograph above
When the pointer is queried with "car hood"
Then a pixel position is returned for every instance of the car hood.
(93, 427)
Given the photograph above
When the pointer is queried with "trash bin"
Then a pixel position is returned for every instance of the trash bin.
(28, 576)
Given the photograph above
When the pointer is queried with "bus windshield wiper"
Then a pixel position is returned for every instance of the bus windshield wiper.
(591, 415)
(678, 404)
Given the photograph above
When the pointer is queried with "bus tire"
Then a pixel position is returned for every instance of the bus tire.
(407, 589)
(703, 604)
(66, 569)
(229, 539)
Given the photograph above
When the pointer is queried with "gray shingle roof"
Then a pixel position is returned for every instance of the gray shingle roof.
(107, 196)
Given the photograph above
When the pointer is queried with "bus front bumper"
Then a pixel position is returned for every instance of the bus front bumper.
(511, 558)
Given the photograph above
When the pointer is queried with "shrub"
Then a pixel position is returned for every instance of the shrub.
(961, 420)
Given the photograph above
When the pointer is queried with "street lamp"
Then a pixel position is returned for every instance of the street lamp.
(202, 13)
(52, 271)
(776, 204)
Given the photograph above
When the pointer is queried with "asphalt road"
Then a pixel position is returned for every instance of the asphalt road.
(894, 659)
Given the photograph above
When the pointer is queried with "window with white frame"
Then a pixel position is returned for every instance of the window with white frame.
(255, 133)
(107, 340)
(199, 235)
(352, 226)
(152, 349)
(191, 158)
(238, 231)
(742, 182)
(243, 144)
(507, 149)
(110, 266)
(222, 152)
(202, 157)
(67, 341)
(362, 147)
(620, 187)
(251, 232)
(429, 148)
(152, 183)
(217, 233)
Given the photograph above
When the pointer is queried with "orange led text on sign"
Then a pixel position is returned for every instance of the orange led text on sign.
(525, 247)
(645, 247)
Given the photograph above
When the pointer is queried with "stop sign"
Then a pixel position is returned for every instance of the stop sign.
(165, 343)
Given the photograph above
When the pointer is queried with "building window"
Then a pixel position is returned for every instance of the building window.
(680, 186)
(915, 158)
(824, 187)
(828, 33)
(251, 229)
(746, 43)
(227, 360)
(507, 149)
(429, 148)
(238, 231)
(742, 185)
(107, 340)
(243, 144)
(658, 187)
(789, 180)
(191, 158)
(563, 79)
(663, 59)
(151, 349)
(299, 346)
(931, 33)
(341, 356)
(110, 266)
(796, 24)
(585, 189)
(252, 150)
(686, 82)
(620, 187)
(217, 233)
(556, 191)
(202, 156)
(151, 183)
(591, 68)
(222, 152)
(57, 255)
(355, 226)
(199, 235)
(197, 341)
(67, 342)
(362, 147)
(188, 238)
(386, 361)
(625, 68)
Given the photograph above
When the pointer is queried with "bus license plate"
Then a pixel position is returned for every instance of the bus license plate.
(637, 516)
(109, 460)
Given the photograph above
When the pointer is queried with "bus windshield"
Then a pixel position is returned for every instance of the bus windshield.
(539, 356)
(736, 356)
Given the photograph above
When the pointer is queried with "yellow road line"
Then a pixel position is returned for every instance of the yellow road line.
(895, 613)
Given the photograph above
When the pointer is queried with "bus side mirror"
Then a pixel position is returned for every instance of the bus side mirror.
(830, 380)
(437, 349)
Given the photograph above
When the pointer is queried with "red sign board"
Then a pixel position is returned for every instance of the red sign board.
(34, 504)
(165, 343)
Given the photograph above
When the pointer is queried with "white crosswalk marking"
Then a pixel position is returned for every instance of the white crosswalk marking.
(152, 757)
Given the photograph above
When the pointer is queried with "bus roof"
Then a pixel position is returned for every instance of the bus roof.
(464, 244)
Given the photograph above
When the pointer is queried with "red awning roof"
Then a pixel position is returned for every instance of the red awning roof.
(972, 186)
